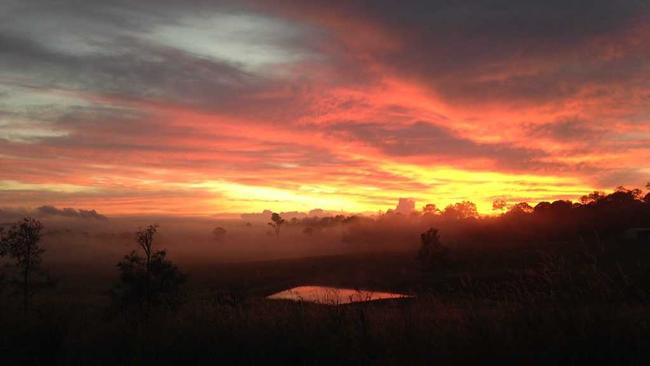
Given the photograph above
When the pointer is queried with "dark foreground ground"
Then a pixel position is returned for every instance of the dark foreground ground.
(562, 303)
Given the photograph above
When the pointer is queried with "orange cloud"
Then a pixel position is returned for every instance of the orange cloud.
(351, 109)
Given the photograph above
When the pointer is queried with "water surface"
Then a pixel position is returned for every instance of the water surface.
(333, 295)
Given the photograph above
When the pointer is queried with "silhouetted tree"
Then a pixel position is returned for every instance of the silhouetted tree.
(594, 196)
(521, 208)
(499, 204)
(461, 210)
(634, 193)
(219, 233)
(430, 209)
(149, 280)
(432, 253)
(21, 243)
(276, 223)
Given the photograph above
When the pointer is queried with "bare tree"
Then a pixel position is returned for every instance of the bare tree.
(145, 241)
(21, 242)
(277, 222)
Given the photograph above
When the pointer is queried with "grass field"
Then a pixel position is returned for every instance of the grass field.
(559, 303)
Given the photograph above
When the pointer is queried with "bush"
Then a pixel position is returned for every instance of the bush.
(432, 253)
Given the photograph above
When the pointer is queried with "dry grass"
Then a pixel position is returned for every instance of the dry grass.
(569, 306)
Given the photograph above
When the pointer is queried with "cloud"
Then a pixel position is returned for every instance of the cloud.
(70, 212)
(505, 51)
(140, 106)
(136, 69)
(426, 139)
(15, 213)
(574, 130)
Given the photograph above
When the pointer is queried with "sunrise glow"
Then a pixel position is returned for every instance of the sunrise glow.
(292, 107)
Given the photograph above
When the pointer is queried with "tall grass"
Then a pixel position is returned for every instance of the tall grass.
(570, 306)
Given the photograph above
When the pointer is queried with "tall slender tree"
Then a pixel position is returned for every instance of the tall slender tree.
(21, 243)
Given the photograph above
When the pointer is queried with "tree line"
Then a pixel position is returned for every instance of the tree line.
(147, 279)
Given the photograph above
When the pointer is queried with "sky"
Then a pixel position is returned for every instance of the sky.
(222, 107)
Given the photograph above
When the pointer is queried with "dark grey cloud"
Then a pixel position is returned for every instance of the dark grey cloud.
(570, 130)
(543, 48)
(633, 177)
(9, 214)
(70, 212)
(426, 139)
(503, 50)
(548, 19)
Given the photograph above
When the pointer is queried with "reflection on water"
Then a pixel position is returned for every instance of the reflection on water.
(332, 295)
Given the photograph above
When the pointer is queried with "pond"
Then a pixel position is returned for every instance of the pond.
(333, 295)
